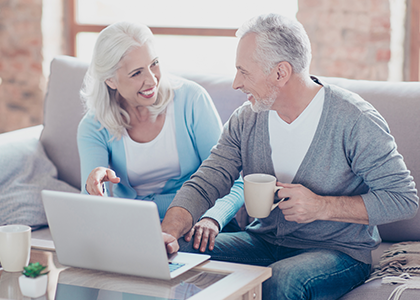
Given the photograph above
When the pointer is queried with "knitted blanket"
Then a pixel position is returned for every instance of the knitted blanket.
(398, 259)
(399, 264)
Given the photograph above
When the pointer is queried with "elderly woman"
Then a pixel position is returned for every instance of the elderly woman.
(145, 132)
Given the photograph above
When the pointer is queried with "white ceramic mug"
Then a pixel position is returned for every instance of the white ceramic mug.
(15, 247)
(259, 190)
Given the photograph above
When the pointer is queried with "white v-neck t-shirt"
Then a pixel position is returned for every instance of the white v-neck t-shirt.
(290, 142)
(151, 164)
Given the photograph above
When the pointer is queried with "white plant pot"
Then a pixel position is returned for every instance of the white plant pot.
(33, 287)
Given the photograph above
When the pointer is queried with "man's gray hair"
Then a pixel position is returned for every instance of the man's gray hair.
(113, 43)
(279, 39)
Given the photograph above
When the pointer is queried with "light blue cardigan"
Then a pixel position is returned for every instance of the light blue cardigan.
(198, 128)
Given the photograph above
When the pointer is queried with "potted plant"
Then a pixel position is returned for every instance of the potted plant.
(33, 283)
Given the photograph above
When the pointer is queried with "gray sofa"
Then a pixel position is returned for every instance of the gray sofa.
(55, 145)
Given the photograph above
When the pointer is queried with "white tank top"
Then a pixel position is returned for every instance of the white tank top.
(151, 164)
(290, 142)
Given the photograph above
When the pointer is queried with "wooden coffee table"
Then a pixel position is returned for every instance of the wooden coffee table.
(210, 280)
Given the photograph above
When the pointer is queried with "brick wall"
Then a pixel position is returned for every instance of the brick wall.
(22, 80)
(349, 38)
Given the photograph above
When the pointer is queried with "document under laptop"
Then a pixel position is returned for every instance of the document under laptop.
(112, 234)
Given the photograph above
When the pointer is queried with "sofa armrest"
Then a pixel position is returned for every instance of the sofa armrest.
(21, 134)
(25, 172)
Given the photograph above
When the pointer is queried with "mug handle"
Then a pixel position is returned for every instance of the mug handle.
(276, 188)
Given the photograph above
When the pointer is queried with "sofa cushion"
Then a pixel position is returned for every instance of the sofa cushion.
(375, 290)
(25, 171)
(63, 111)
(219, 87)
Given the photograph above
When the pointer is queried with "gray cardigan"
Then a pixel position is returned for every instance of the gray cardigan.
(352, 153)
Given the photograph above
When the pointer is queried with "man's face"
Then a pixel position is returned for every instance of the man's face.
(250, 77)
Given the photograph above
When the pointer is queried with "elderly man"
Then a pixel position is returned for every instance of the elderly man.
(330, 150)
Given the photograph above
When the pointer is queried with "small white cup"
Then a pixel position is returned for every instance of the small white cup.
(15, 247)
(259, 190)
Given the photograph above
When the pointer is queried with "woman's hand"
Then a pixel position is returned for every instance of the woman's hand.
(204, 232)
(97, 178)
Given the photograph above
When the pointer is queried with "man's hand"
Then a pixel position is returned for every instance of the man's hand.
(176, 223)
(171, 243)
(96, 179)
(204, 232)
(304, 206)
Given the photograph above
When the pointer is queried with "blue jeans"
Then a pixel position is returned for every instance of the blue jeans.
(296, 273)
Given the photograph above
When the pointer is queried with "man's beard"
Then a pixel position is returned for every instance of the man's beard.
(264, 104)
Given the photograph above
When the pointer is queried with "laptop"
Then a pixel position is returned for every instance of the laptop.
(112, 234)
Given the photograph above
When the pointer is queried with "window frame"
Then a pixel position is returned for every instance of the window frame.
(414, 40)
(74, 27)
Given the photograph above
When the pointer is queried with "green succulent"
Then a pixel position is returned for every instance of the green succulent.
(34, 270)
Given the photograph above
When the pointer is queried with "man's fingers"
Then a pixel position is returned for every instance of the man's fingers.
(171, 243)
(204, 240)
(197, 237)
(205, 234)
(212, 241)
(172, 247)
(189, 235)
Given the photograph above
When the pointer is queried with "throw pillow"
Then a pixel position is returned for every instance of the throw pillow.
(25, 171)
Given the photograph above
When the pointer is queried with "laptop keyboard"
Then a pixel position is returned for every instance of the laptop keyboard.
(174, 266)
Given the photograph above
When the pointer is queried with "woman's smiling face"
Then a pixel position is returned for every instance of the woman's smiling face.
(138, 76)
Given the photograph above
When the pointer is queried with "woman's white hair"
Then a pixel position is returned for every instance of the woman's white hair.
(279, 39)
(113, 43)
